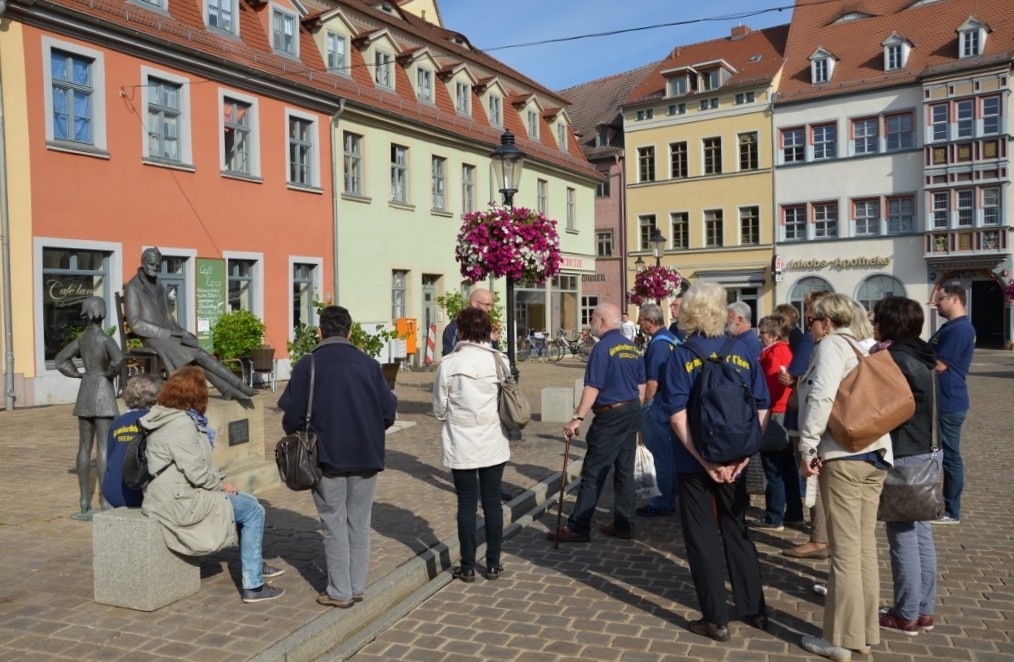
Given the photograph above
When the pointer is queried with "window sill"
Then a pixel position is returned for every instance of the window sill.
(355, 197)
(77, 148)
(572, 231)
(305, 188)
(242, 177)
(443, 213)
(400, 205)
(186, 167)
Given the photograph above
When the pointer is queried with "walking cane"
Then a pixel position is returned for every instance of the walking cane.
(563, 483)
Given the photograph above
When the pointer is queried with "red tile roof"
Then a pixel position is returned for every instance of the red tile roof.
(931, 28)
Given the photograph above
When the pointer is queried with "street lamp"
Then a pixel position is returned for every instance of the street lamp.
(638, 263)
(508, 159)
(658, 245)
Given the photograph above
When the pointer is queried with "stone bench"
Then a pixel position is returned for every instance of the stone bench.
(132, 566)
(557, 404)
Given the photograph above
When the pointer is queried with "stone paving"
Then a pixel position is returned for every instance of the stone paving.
(609, 599)
(631, 600)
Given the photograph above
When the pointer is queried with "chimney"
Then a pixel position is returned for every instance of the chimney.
(739, 31)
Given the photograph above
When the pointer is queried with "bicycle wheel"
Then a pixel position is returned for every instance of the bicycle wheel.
(524, 349)
(584, 349)
(555, 352)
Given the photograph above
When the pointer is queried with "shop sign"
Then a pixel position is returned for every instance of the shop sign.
(574, 262)
(69, 292)
(840, 263)
(211, 292)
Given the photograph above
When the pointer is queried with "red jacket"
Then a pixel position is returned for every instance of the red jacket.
(772, 358)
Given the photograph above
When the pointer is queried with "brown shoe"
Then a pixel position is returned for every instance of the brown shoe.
(328, 601)
(710, 630)
(567, 534)
(809, 550)
(611, 530)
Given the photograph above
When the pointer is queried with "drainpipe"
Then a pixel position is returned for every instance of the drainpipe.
(620, 161)
(335, 146)
(5, 258)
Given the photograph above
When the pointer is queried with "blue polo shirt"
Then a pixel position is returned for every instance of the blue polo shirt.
(122, 431)
(615, 368)
(657, 355)
(752, 342)
(954, 344)
(681, 373)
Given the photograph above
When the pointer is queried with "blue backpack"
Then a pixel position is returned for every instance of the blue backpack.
(721, 410)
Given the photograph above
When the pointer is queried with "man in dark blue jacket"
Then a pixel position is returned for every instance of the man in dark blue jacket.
(352, 407)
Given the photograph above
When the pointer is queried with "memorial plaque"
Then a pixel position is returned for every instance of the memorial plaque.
(239, 432)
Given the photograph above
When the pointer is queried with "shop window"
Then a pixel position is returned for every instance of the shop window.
(69, 276)
(877, 287)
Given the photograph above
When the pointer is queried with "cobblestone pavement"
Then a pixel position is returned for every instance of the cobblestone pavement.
(604, 600)
(631, 600)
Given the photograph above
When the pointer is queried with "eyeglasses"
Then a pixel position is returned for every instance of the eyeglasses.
(811, 320)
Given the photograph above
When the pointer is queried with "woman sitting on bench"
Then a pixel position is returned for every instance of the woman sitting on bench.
(199, 512)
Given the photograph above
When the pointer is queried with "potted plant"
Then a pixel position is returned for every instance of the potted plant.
(236, 335)
(375, 343)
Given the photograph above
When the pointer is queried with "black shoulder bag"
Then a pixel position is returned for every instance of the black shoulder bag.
(296, 453)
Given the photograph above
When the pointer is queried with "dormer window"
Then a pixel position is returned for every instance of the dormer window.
(383, 69)
(685, 83)
(892, 56)
(561, 136)
(971, 38)
(711, 80)
(896, 50)
(533, 124)
(336, 51)
(495, 110)
(462, 97)
(284, 34)
(821, 66)
(602, 139)
(424, 84)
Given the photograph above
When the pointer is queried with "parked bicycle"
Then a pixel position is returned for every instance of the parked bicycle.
(535, 344)
(579, 346)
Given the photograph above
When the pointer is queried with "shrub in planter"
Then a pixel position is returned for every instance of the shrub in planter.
(237, 334)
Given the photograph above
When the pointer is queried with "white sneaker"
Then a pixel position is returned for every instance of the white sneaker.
(818, 646)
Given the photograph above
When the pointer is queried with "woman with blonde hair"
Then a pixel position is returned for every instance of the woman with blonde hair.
(850, 486)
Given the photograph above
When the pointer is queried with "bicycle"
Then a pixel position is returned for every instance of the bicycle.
(533, 344)
(579, 346)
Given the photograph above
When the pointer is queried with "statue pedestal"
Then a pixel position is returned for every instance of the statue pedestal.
(239, 444)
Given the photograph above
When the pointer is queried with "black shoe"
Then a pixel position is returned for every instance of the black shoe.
(493, 572)
(759, 621)
(466, 575)
(710, 630)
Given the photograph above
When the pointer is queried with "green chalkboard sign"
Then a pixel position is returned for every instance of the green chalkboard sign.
(211, 292)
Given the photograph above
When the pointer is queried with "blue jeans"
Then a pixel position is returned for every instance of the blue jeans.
(913, 561)
(471, 484)
(249, 514)
(954, 468)
(783, 499)
(659, 439)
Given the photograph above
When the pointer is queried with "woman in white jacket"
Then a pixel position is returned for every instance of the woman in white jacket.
(465, 398)
(850, 486)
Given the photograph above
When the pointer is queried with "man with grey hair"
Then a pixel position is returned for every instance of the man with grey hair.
(480, 298)
(656, 432)
(613, 391)
(740, 326)
(139, 394)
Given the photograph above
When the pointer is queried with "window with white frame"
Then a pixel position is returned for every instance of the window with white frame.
(238, 136)
(353, 163)
(678, 160)
(645, 114)
(793, 145)
(462, 98)
(865, 135)
(302, 150)
(304, 282)
(533, 124)
(542, 195)
(899, 131)
(713, 155)
(742, 98)
(679, 228)
(495, 105)
(165, 101)
(424, 84)
(820, 70)
(69, 275)
(938, 121)
(825, 141)
(991, 206)
(284, 33)
(794, 222)
(399, 173)
(222, 14)
(964, 117)
(710, 80)
(604, 243)
(438, 168)
(713, 228)
(602, 189)
(383, 69)
(900, 215)
(467, 188)
(646, 164)
(825, 220)
(571, 209)
(336, 49)
(561, 136)
(941, 201)
(970, 42)
(965, 208)
(646, 228)
(893, 57)
(866, 214)
(589, 303)
(155, 3)
(242, 276)
(75, 103)
(749, 226)
(749, 155)
(990, 115)
(399, 293)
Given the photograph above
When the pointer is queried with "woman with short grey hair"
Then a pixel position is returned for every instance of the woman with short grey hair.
(140, 393)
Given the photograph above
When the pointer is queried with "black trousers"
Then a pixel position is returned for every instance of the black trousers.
(700, 498)
(472, 485)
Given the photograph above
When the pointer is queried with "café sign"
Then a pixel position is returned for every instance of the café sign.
(840, 263)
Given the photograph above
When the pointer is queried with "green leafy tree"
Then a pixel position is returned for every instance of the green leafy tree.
(236, 334)
(453, 303)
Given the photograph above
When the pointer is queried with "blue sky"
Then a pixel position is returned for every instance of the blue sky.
(489, 24)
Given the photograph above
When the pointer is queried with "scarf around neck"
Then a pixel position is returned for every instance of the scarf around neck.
(202, 424)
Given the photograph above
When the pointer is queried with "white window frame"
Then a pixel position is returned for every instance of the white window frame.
(542, 196)
(352, 175)
(314, 145)
(571, 209)
(820, 70)
(894, 57)
(906, 139)
(184, 141)
(561, 136)
(970, 43)
(861, 142)
(994, 205)
(233, 15)
(993, 118)
(463, 98)
(399, 163)
(438, 171)
(533, 124)
(798, 224)
(604, 243)
(468, 183)
(337, 45)
(679, 239)
(98, 96)
(318, 286)
(254, 131)
(964, 125)
(646, 163)
(714, 219)
(871, 223)
(712, 155)
(913, 225)
(941, 209)
(939, 124)
(961, 196)
(749, 146)
(383, 73)
(288, 18)
(797, 132)
(495, 105)
(825, 225)
(424, 84)
(824, 149)
(256, 278)
(679, 160)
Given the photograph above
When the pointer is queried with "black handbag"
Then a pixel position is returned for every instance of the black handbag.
(296, 453)
(915, 492)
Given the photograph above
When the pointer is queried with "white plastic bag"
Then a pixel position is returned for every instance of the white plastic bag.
(645, 484)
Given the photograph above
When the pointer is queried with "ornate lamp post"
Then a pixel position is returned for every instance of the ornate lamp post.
(508, 160)
(658, 245)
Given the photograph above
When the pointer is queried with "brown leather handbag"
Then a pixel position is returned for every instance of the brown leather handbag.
(871, 401)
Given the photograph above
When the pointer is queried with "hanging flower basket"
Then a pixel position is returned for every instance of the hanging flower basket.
(654, 284)
(519, 243)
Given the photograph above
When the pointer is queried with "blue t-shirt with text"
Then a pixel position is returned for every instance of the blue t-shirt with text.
(954, 344)
(657, 355)
(615, 368)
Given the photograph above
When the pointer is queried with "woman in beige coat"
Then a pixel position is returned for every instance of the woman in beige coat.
(850, 486)
(199, 512)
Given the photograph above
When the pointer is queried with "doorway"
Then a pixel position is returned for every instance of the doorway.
(986, 311)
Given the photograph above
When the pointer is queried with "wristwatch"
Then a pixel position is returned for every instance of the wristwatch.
(575, 417)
